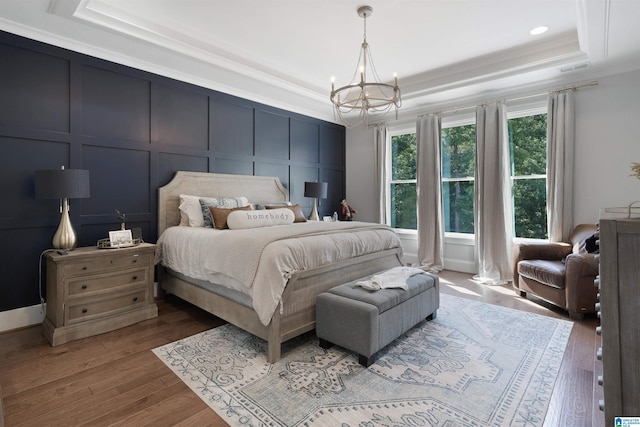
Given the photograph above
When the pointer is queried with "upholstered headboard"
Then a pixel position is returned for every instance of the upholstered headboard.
(258, 189)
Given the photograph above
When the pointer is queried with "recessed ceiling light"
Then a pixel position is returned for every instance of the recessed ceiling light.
(538, 30)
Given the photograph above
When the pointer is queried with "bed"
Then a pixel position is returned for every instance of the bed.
(295, 310)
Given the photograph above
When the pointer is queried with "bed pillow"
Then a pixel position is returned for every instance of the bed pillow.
(238, 220)
(190, 211)
(273, 205)
(296, 209)
(219, 215)
(219, 202)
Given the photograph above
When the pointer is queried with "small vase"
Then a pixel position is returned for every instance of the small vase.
(122, 226)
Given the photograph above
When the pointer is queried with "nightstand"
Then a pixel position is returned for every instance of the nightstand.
(91, 291)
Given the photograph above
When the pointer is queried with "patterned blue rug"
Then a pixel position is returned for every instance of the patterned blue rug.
(476, 364)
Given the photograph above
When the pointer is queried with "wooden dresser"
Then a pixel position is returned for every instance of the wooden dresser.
(620, 317)
(91, 291)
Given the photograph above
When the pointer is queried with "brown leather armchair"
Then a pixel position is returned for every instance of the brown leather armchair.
(561, 273)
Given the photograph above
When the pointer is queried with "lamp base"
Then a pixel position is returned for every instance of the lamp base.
(314, 212)
(64, 237)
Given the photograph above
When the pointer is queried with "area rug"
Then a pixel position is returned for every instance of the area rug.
(476, 364)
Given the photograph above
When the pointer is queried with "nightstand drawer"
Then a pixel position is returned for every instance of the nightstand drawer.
(91, 285)
(101, 264)
(91, 308)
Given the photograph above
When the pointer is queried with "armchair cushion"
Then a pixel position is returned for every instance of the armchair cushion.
(551, 273)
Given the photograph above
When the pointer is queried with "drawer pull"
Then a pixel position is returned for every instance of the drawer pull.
(84, 310)
(135, 260)
(135, 277)
(84, 286)
(84, 268)
(135, 299)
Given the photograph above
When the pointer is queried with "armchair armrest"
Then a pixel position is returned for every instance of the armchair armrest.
(581, 265)
(537, 250)
(581, 270)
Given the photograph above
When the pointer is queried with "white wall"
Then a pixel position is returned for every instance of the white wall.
(360, 173)
(607, 142)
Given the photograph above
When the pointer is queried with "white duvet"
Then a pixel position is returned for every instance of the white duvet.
(259, 261)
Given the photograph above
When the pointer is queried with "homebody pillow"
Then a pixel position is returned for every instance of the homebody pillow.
(238, 220)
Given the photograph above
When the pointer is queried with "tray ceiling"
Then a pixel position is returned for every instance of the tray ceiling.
(284, 52)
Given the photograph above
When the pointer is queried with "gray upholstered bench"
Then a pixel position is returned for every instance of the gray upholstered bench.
(365, 321)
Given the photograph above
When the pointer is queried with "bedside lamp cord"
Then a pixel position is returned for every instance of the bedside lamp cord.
(44, 307)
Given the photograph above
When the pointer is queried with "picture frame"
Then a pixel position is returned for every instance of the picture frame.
(120, 238)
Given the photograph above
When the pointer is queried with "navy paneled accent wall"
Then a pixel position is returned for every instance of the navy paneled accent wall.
(132, 130)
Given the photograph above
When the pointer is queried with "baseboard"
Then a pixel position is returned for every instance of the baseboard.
(460, 265)
(29, 316)
(21, 318)
(452, 264)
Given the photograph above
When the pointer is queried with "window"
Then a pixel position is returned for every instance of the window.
(528, 145)
(458, 166)
(403, 181)
(528, 148)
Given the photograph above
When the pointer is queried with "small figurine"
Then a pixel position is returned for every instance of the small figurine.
(347, 211)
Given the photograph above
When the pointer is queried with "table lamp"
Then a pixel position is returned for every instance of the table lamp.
(317, 190)
(63, 184)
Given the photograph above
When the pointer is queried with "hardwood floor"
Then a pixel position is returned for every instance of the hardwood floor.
(113, 379)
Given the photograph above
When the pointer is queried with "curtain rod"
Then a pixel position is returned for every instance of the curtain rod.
(559, 90)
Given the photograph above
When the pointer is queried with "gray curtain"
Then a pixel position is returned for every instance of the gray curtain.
(560, 142)
(380, 143)
(429, 188)
(493, 204)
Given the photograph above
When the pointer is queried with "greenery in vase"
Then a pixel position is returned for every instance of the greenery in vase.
(122, 217)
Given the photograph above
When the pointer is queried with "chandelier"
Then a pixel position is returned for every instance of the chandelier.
(354, 102)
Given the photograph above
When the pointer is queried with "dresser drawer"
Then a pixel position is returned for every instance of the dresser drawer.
(82, 310)
(95, 265)
(91, 285)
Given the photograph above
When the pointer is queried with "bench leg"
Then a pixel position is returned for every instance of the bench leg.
(324, 343)
(365, 361)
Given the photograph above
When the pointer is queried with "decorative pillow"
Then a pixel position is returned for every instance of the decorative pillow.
(219, 202)
(190, 211)
(296, 209)
(273, 205)
(259, 218)
(220, 215)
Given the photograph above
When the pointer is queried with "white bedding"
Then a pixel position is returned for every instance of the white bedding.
(259, 261)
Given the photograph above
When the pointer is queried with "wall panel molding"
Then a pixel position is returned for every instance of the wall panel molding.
(132, 130)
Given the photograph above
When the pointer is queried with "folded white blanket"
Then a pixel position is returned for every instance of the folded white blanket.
(392, 278)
